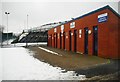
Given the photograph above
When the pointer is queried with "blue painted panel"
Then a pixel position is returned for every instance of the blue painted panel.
(102, 19)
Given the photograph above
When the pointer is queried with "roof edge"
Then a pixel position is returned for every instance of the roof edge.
(110, 8)
(92, 12)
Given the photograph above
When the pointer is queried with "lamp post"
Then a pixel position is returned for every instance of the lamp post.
(7, 13)
(27, 21)
(26, 30)
(1, 31)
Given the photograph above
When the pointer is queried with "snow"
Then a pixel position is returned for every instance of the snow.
(49, 51)
(4, 44)
(21, 44)
(0, 65)
(18, 63)
(29, 44)
(22, 35)
(9, 42)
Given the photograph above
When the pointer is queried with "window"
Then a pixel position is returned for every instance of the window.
(55, 29)
(72, 25)
(62, 28)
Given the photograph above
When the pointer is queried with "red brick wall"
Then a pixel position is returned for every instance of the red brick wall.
(58, 40)
(108, 42)
(118, 33)
(113, 48)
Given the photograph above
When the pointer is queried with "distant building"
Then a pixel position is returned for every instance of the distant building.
(4, 36)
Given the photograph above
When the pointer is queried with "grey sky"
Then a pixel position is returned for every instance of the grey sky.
(46, 12)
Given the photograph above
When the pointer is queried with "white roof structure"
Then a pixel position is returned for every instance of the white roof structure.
(45, 27)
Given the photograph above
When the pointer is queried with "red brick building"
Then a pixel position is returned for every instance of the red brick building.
(95, 33)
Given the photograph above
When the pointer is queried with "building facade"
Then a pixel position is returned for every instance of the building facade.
(95, 33)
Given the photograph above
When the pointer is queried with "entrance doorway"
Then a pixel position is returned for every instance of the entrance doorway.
(60, 41)
(75, 40)
(56, 40)
(86, 40)
(63, 40)
(51, 40)
(95, 40)
(70, 41)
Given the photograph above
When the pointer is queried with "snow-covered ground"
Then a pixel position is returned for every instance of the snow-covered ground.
(21, 44)
(0, 65)
(18, 63)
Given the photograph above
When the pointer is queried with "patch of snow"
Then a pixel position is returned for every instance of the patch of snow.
(49, 51)
(22, 35)
(18, 63)
(39, 43)
(1, 66)
(9, 41)
(4, 44)
(22, 44)
(29, 44)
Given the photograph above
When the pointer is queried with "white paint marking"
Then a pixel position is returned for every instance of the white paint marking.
(49, 51)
